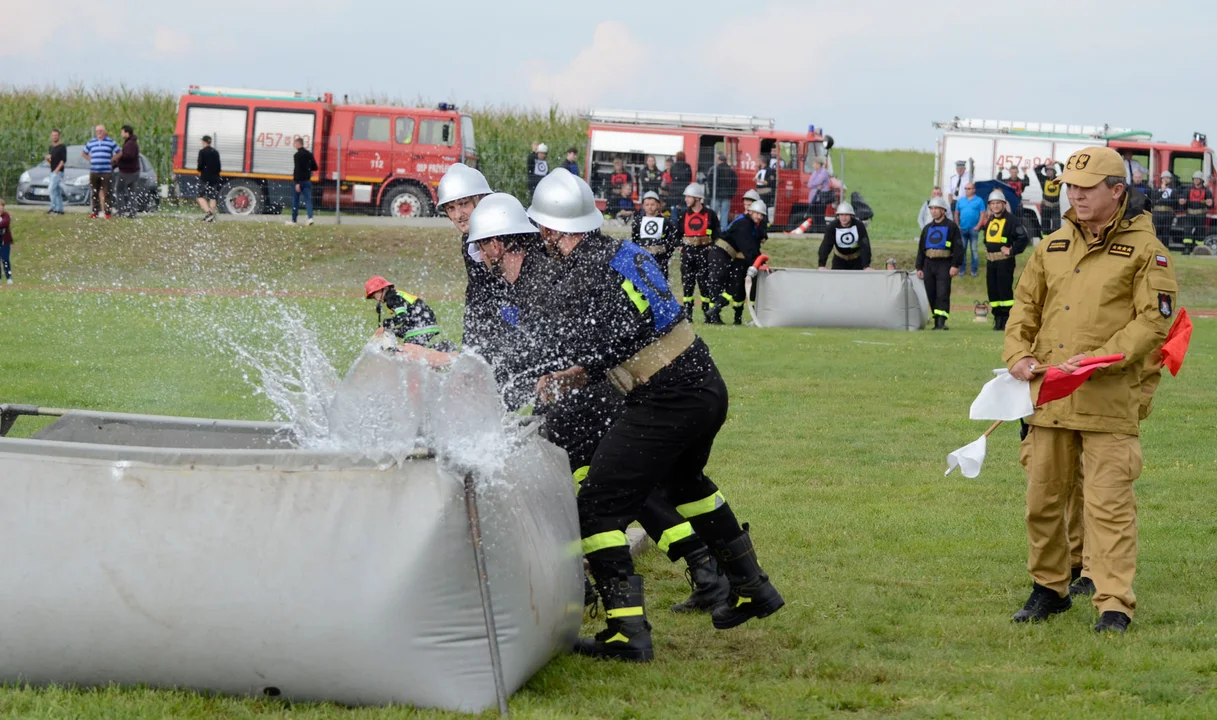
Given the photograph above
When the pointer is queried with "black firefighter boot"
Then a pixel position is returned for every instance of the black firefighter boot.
(689, 310)
(628, 635)
(739, 316)
(937, 322)
(710, 586)
(1043, 604)
(751, 595)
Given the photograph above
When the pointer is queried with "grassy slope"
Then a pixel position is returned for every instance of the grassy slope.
(899, 581)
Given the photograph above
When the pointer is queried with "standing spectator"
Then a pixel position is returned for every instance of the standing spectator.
(1162, 204)
(209, 179)
(128, 174)
(57, 158)
(681, 174)
(620, 176)
(1196, 203)
(956, 183)
(819, 188)
(304, 164)
(968, 212)
(572, 161)
(6, 242)
(100, 152)
(1050, 206)
(722, 182)
(651, 178)
(1014, 178)
(767, 182)
(537, 166)
(925, 217)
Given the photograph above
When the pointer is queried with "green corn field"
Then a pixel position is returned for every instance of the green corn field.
(27, 114)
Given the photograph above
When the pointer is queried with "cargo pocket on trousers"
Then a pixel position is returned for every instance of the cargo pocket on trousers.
(1135, 461)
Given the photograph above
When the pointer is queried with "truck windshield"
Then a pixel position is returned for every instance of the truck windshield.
(814, 150)
(467, 144)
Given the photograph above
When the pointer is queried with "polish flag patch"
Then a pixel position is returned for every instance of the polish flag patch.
(1162, 261)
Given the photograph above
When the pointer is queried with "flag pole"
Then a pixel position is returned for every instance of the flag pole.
(992, 427)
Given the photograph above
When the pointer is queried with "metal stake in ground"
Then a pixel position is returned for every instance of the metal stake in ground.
(479, 557)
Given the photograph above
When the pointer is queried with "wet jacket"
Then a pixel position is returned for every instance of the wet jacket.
(745, 236)
(940, 241)
(485, 295)
(663, 234)
(1114, 293)
(851, 243)
(697, 228)
(408, 317)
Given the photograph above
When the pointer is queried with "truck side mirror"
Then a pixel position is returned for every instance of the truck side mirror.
(447, 134)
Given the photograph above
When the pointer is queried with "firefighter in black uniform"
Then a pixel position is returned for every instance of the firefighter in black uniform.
(846, 240)
(408, 316)
(1162, 200)
(1050, 206)
(1196, 203)
(731, 257)
(510, 246)
(655, 233)
(460, 190)
(1004, 238)
(939, 257)
(699, 227)
(536, 165)
(615, 319)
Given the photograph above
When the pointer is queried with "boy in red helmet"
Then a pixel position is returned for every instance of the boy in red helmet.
(409, 317)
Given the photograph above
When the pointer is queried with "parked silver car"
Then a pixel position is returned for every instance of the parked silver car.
(33, 187)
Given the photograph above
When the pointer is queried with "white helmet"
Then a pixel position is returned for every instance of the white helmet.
(1165, 174)
(565, 203)
(845, 209)
(758, 206)
(460, 182)
(1198, 175)
(651, 195)
(542, 148)
(998, 195)
(940, 202)
(498, 215)
(752, 195)
(696, 190)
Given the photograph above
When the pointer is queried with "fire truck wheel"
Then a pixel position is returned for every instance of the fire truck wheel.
(1211, 243)
(405, 201)
(242, 197)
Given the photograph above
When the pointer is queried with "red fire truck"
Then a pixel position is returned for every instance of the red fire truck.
(745, 140)
(377, 158)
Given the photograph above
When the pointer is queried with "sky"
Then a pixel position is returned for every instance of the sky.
(874, 74)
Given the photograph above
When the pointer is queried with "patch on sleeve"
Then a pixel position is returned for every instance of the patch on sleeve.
(1164, 304)
(1121, 250)
(1162, 261)
(1058, 245)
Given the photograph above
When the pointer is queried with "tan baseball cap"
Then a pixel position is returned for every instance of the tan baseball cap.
(1089, 166)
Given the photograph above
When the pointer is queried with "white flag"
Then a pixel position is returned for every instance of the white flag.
(1003, 398)
(968, 458)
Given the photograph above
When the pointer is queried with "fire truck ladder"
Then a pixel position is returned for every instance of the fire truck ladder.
(738, 123)
(253, 94)
(1019, 127)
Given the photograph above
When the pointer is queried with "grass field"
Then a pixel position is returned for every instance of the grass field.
(899, 582)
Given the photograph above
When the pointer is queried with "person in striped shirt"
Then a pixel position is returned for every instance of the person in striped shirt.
(101, 153)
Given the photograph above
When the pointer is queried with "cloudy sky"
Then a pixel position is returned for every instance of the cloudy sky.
(874, 73)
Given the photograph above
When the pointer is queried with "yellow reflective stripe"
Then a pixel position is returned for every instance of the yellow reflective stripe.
(623, 612)
(943, 313)
(604, 541)
(742, 600)
(727, 297)
(674, 534)
(580, 474)
(1001, 303)
(618, 638)
(688, 298)
(635, 297)
(703, 506)
(408, 297)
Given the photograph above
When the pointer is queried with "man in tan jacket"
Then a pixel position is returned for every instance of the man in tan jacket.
(1101, 285)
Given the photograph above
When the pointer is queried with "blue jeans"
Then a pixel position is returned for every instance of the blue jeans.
(969, 245)
(56, 188)
(306, 189)
(722, 208)
(5, 254)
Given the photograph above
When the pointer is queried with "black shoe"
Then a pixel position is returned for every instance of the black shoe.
(628, 635)
(739, 316)
(1042, 604)
(751, 594)
(1074, 572)
(937, 323)
(709, 585)
(1082, 586)
(713, 318)
(1112, 621)
(689, 311)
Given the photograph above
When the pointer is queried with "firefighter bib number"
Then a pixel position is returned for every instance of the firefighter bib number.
(847, 238)
(651, 229)
(996, 232)
(936, 238)
(540, 167)
(636, 265)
